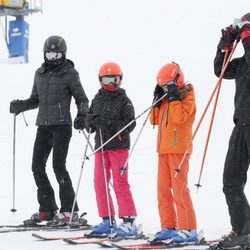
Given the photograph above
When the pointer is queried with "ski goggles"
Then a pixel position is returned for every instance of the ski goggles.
(112, 79)
(52, 56)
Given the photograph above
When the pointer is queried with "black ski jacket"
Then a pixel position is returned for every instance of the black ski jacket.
(52, 92)
(238, 69)
(117, 110)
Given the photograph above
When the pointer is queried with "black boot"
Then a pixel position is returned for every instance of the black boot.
(233, 240)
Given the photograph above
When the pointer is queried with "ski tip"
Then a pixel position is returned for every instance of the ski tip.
(105, 244)
(37, 236)
(71, 242)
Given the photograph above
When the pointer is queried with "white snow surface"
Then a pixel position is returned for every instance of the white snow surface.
(141, 35)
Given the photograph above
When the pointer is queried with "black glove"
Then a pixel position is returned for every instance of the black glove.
(79, 122)
(16, 107)
(100, 122)
(229, 35)
(239, 25)
(243, 28)
(96, 121)
(158, 93)
(173, 94)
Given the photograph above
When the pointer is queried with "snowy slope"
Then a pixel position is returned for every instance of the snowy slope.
(141, 35)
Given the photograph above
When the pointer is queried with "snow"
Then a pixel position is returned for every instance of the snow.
(141, 36)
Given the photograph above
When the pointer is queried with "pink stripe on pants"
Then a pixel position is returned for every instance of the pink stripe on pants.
(115, 160)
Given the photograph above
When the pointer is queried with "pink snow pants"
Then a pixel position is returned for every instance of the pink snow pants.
(114, 161)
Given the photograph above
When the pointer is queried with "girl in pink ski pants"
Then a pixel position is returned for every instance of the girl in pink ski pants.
(114, 161)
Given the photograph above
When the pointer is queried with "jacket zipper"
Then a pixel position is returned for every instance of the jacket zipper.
(81, 109)
(60, 112)
(160, 129)
(47, 118)
(167, 116)
(175, 140)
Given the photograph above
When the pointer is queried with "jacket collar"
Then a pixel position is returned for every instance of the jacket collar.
(59, 69)
(117, 92)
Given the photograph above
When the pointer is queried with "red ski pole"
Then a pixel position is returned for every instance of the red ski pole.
(211, 125)
(206, 108)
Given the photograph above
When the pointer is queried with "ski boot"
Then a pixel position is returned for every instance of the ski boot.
(235, 241)
(185, 236)
(128, 230)
(63, 219)
(164, 234)
(104, 228)
(39, 217)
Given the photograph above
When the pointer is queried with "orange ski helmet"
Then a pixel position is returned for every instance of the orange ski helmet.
(110, 70)
(170, 72)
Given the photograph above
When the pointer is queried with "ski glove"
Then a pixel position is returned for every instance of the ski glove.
(16, 107)
(79, 122)
(96, 121)
(229, 35)
(158, 93)
(102, 123)
(242, 27)
(173, 93)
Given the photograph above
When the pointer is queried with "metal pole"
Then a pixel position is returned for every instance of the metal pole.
(111, 184)
(86, 137)
(6, 31)
(79, 180)
(106, 182)
(14, 166)
(206, 108)
(124, 169)
(211, 125)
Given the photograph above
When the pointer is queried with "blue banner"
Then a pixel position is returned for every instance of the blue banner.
(19, 39)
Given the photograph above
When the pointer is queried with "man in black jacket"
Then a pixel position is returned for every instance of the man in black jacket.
(238, 155)
(55, 82)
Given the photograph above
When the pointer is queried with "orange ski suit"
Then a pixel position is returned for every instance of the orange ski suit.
(175, 121)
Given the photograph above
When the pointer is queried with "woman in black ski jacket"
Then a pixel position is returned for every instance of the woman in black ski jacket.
(238, 155)
(56, 81)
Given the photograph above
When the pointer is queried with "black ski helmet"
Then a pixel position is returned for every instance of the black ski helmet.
(55, 44)
(246, 17)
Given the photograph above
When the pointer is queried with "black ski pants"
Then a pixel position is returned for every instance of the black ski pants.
(235, 178)
(56, 138)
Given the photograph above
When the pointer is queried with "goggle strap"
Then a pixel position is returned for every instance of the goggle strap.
(178, 73)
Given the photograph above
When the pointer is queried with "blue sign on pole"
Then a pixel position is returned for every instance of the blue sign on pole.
(19, 39)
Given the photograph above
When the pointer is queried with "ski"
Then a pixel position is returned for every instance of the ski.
(168, 244)
(106, 244)
(18, 229)
(22, 228)
(161, 246)
(84, 241)
(102, 240)
(46, 238)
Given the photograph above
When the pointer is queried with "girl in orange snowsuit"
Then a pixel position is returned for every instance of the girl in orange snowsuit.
(174, 116)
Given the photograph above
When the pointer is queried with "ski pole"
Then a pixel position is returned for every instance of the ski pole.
(79, 180)
(211, 125)
(88, 141)
(206, 108)
(106, 182)
(111, 184)
(24, 120)
(136, 118)
(124, 169)
(13, 210)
